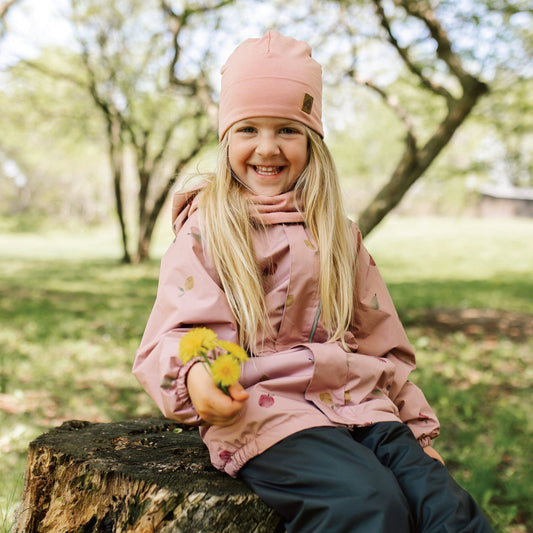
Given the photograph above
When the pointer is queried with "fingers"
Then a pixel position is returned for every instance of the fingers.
(237, 392)
(220, 409)
(212, 405)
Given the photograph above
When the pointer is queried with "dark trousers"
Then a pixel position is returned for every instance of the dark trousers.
(375, 479)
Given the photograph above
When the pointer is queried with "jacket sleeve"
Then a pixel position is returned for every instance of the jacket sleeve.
(188, 296)
(379, 332)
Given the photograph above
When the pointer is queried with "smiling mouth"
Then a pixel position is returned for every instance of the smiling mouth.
(267, 171)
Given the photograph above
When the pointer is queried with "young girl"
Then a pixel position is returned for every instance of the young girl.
(324, 425)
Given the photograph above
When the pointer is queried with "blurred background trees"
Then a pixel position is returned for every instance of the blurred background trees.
(100, 119)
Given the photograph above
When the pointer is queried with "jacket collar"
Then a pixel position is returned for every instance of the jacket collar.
(267, 210)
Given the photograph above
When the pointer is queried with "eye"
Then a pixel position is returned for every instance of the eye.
(247, 129)
(289, 130)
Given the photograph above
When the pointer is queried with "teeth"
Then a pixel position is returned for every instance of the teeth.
(267, 170)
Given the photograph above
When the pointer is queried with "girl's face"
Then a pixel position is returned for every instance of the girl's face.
(268, 154)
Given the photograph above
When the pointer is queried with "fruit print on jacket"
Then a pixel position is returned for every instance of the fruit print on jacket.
(266, 400)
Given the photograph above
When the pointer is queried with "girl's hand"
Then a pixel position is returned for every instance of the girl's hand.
(433, 453)
(213, 406)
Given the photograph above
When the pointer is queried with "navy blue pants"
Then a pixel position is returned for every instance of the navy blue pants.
(375, 479)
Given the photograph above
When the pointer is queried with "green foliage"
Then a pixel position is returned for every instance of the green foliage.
(506, 119)
(54, 131)
(72, 317)
(48, 129)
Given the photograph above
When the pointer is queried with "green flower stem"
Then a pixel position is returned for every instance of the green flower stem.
(203, 353)
(223, 388)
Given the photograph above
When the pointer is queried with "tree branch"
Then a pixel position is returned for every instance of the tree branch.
(115, 128)
(178, 22)
(394, 105)
(423, 11)
(404, 53)
(4, 7)
(201, 141)
(390, 101)
(415, 161)
(54, 74)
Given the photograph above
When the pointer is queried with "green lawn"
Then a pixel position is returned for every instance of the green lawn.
(71, 318)
(457, 263)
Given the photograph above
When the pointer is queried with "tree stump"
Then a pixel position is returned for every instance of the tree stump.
(144, 475)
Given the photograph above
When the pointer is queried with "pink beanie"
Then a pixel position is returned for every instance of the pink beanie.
(274, 76)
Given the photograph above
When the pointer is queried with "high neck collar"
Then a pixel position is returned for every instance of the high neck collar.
(266, 210)
(279, 209)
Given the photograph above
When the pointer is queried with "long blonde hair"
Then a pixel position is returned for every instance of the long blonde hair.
(227, 234)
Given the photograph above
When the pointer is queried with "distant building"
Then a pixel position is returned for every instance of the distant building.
(505, 201)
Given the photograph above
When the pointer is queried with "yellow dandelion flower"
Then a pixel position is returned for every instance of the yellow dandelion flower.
(235, 350)
(196, 342)
(225, 370)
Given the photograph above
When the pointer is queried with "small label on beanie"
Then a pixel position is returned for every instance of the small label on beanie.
(307, 104)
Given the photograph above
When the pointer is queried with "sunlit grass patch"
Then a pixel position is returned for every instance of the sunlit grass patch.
(456, 263)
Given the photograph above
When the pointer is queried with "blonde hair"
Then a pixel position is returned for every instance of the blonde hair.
(227, 234)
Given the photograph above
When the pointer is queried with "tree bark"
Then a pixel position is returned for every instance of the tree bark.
(144, 475)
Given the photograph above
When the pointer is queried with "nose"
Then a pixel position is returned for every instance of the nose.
(267, 145)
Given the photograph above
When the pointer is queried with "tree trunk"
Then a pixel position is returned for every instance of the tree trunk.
(116, 161)
(144, 475)
(414, 162)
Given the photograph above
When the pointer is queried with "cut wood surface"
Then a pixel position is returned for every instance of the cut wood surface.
(143, 475)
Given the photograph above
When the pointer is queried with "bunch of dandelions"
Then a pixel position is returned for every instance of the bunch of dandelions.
(226, 357)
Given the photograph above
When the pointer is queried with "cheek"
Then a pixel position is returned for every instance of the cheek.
(303, 157)
(237, 163)
(236, 156)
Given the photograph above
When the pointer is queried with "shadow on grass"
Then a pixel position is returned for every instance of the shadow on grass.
(59, 300)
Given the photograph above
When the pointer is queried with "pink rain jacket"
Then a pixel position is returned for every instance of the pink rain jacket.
(296, 380)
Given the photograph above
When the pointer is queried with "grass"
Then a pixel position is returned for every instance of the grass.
(456, 263)
(71, 318)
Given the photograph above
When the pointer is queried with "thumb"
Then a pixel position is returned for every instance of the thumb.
(237, 392)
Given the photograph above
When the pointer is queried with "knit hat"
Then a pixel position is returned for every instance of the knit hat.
(274, 76)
